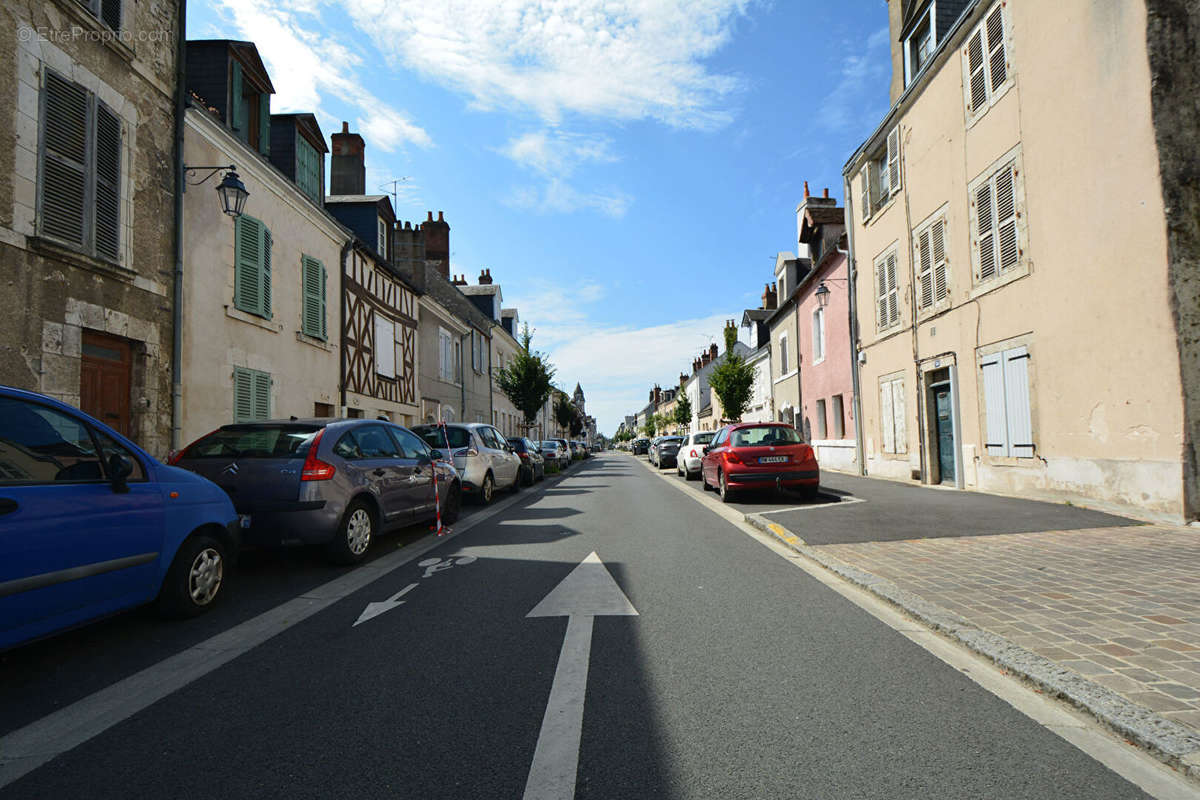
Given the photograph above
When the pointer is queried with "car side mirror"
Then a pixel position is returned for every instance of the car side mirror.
(119, 470)
(707, 447)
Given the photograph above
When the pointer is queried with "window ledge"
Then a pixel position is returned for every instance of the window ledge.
(782, 378)
(320, 344)
(1014, 274)
(1011, 461)
(78, 258)
(973, 118)
(879, 212)
(887, 333)
(259, 322)
(110, 38)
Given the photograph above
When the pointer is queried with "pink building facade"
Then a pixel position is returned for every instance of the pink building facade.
(823, 311)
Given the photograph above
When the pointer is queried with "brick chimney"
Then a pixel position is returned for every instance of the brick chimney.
(460, 280)
(485, 278)
(657, 395)
(437, 242)
(683, 378)
(704, 359)
(713, 351)
(768, 297)
(347, 169)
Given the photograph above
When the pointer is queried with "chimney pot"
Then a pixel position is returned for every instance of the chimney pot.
(345, 126)
(806, 190)
(429, 217)
(825, 193)
(442, 219)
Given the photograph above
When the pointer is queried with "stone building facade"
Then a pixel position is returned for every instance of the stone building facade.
(87, 229)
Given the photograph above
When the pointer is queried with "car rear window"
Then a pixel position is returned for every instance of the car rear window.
(459, 437)
(258, 441)
(703, 438)
(766, 435)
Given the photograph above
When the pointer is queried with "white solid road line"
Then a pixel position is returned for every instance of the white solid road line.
(1083, 731)
(28, 748)
(589, 591)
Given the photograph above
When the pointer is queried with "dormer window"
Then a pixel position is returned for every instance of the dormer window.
(920, 44)
(249, 109)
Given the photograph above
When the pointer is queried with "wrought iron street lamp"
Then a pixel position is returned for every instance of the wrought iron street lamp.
(231, 189)
(822, 295)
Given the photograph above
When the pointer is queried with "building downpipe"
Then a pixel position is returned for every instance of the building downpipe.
(180, 185)
(855, 378)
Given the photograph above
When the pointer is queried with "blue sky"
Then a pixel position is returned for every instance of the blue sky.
(627, 169)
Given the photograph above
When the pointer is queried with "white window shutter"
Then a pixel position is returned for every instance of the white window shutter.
(925, 270)
(865, 176)
(996, 442)
(893, 160)
(937, 237)
(882, 295)
(977, 72)
(1006, 218)
(986, 231)
(1016, 402)
(893, 292)
(899, 414)
(887, 419)
(385, 347)
(997, 58)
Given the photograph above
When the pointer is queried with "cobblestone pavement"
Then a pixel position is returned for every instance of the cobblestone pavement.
(1120, 606)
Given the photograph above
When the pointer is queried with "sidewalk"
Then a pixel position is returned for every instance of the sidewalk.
(1106, 618)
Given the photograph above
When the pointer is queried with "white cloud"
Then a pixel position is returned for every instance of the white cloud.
(615, 59)
(555, 155)
(306, 63)
(557, 196)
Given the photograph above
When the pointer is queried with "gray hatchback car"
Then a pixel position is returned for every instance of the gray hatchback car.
(322, 481)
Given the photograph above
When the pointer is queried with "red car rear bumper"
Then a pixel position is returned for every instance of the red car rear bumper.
(765, 479)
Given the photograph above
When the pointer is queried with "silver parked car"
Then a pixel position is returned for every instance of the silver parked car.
(691, 450)
(483, 457)
(323, 481)
(554, 452)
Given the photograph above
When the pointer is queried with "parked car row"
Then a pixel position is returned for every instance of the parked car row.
(740, 457)
(91, 524)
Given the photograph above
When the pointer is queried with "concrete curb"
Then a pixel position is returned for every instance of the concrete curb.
(1170, 742)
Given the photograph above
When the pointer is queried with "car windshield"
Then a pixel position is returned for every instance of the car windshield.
(435, 438)
(703, 438)
(765, 435)
(253, 441)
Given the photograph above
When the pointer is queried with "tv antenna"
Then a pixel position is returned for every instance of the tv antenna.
(395, 192)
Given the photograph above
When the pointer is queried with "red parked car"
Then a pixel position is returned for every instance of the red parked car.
(759, 455)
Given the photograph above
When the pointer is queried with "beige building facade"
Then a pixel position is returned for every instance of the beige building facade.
(242, 362)
(1012, 309)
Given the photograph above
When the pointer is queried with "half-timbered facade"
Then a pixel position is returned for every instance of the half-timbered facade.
(379, 339)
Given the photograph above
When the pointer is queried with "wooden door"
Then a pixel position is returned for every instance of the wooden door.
(104, 384)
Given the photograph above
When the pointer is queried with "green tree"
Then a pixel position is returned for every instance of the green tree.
(651, 426)
(683, 410)
(526, 380)
(564, 411)
(732, 380)
(576, 423)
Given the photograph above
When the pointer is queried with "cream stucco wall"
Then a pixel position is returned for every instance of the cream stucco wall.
(1089, 297)
(216, 336)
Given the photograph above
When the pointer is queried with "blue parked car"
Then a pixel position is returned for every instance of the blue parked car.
(90, 524)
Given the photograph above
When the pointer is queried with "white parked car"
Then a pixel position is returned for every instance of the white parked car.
(483, 457)
(691, 450)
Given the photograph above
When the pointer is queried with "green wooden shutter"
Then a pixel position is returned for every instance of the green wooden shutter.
(247, 292)
(264, 123)
(313, 311)
(237, 109)
(324, 329)
(243, 395)
(265, 272)
(262, 396)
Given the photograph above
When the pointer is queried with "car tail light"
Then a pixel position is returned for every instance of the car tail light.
(524, 456)
(732, 457)
(174, 458)
(466, 452)
(315, 469)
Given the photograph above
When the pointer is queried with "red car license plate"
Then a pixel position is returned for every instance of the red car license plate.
(772, 459)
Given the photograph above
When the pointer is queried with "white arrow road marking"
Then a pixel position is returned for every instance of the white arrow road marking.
(375, 609)
(587, 592)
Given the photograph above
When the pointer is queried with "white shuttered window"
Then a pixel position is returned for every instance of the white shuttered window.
(887, 295)
(931, 265)
(1007, 414)
(385, 346)
(999, 227)
(985, 62)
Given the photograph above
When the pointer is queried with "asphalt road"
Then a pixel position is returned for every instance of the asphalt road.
(855, 509)
(741, 677)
